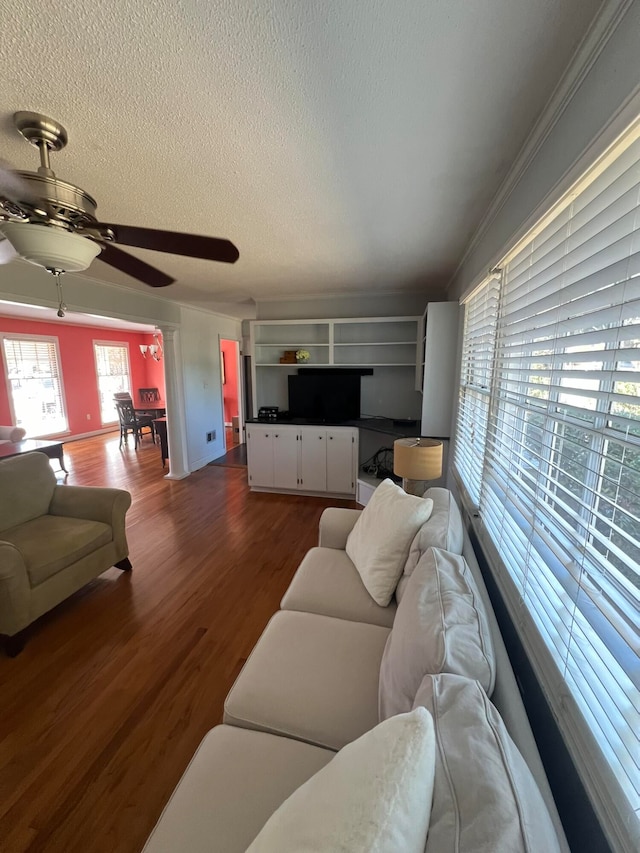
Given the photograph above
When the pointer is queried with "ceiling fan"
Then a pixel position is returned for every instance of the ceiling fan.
(53, 223)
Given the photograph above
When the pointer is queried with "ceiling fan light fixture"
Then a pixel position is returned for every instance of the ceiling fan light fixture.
(51, 248)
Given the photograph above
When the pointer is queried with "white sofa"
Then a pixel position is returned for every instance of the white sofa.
(311, 686)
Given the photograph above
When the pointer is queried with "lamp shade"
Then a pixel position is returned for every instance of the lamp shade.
(417, 458)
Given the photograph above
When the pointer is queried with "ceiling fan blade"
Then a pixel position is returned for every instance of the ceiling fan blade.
(173, 242)
(7, 252)
(126, 263)
(13, 187)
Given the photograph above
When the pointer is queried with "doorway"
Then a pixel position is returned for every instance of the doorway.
(230, 368)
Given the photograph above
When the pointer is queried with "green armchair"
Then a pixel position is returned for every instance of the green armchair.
(53, 540)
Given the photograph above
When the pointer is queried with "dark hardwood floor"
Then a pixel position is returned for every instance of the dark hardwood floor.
(115, 688)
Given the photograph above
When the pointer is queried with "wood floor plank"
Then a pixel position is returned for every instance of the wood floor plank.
(115, 688)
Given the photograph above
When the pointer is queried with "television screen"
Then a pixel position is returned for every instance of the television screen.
(328, 397)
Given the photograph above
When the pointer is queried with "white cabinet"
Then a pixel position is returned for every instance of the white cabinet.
(317, 460)
(260, 456)
(313, 459)
(285, 458)
(272, 456)
(342, 449)
(440, 380)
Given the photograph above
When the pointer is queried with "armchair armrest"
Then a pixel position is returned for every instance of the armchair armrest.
(14, 590)
(336, 523)
(95, 504)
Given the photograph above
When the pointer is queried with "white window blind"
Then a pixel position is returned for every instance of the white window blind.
(558, 489)
(475, 384)
(112, 369)
(33, 375)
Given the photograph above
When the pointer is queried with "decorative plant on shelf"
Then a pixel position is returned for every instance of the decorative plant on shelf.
(302, 355)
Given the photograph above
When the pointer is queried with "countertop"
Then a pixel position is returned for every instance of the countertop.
(373, 424)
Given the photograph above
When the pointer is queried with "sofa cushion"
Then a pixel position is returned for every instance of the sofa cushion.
(328, 583)
(373, 797)
(27, 488)
(441, 626)
(230, 789)
(379, 543)
(310, 677)
(443, 529)
(50, 543)
(485, 797)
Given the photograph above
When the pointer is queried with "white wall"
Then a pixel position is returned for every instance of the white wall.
(23, 282)
(361, 305)
(200, 352)
(604, 99)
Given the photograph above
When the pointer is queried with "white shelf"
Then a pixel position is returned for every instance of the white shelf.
(376, 344)
(293, 345)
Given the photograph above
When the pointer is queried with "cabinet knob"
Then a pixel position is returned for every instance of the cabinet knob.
(330, 438)
(276, 435)
(319, 438)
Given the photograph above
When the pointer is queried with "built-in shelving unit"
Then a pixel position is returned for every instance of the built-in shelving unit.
(387, 343)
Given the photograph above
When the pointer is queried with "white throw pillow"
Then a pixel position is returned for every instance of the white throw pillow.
(379, 543)
(485, 797)
(373, 797)
(441, 625)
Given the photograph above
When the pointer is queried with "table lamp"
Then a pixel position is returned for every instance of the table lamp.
(417, 460)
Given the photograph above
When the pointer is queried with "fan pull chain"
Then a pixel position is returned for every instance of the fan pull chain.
(61, 304)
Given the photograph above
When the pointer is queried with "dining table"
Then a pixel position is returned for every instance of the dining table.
(155, 408)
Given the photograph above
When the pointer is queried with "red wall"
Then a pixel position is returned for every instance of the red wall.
(230, 387)
(75, 344)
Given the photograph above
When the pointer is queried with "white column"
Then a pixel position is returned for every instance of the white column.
(174, 395)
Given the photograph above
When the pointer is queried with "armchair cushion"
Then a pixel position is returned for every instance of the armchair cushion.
(51, 543)
(27, 488)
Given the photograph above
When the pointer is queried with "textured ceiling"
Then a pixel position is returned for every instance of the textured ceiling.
(343, 146)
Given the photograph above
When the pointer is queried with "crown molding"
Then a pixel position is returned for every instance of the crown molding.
(602, 28)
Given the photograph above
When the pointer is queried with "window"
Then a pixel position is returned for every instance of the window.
(550, 409)
(35, 384)
(112, 368)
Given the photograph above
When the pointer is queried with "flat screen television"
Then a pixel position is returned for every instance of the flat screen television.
(324, 397)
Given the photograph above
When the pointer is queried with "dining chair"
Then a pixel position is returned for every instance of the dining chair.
(130, 421)
(149, 395)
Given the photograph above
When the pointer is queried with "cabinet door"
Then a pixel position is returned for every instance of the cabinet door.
(285, 458)
(260, 455)
(340, 461)
(313, 459)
